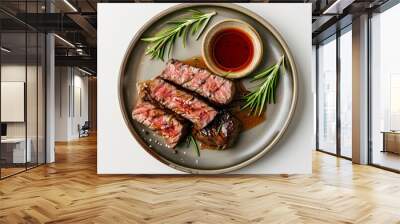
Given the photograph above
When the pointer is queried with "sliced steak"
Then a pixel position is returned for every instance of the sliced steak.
(221, 133)
(161, 122)
(215, 88)
(180, 102)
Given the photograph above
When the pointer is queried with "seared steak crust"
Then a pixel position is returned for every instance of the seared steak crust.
(180, 102)
(215, 88)
(161, 122)
(220, 133)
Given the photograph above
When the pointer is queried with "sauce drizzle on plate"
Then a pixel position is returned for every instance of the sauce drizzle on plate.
(196, 62)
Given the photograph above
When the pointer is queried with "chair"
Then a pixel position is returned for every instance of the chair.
(84, 130)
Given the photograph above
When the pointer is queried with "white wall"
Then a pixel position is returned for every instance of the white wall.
(80, 84)
(16, 73)
(61, 103)
(314, 87)
(70, 109)
(12, 101)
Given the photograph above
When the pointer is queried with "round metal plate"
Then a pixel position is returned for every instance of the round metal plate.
(253, 143)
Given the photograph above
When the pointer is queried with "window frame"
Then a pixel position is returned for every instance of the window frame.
(334, 37)
(27, 29)
(381, 9)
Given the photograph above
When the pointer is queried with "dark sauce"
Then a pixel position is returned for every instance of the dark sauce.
(248, 122)
(232, 50)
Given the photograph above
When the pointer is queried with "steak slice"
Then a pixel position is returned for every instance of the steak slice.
(217, 89)
(180, 102)
(221, 133)
(164, 124)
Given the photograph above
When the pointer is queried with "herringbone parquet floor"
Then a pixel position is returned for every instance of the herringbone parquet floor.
(70, 191)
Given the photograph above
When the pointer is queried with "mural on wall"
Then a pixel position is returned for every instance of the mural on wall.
(208, 88)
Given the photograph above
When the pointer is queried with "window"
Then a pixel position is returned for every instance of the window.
(327, 96)
(346, 93)
(334, 62)
(385, 89)
(394, 101)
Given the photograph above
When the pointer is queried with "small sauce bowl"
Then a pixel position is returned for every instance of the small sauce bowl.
(232, 48)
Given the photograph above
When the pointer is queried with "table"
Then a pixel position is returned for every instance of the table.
(15, 148)
(391, 141)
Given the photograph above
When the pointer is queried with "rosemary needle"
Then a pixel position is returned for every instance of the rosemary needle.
(163, 42)
(265, 93)
(192, 139)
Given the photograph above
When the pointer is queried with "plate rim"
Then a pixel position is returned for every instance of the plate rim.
(267, 146)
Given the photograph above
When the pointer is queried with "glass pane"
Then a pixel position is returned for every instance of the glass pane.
(13, 89)
(346, 94)
(32, 95)
(327, 97)
(41, 98)
(385, 83)
(22, 90)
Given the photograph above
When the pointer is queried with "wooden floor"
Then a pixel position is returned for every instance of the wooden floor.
(70, 191)
(5, 172)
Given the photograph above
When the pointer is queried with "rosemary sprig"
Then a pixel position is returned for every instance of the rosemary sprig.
(220, 127)
(193, 140)
(163, 42)
(266, 91)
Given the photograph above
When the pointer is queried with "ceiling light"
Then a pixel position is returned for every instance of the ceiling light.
(337, 7)
(5, 50)
(70, 5)
(333, 6)
(79, 51)
(64, 40)
(84, 71)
